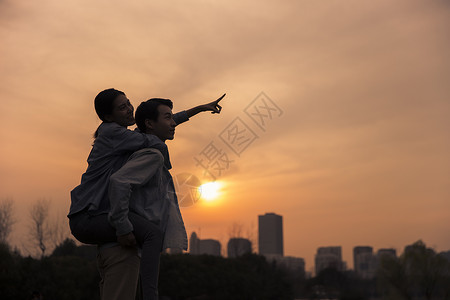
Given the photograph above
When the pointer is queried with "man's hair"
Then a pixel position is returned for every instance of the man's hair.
(149, 110)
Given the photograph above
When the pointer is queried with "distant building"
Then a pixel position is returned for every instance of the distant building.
(294, 264)
(386, 252)
(364, 262)
(358, 250)
(329, 257)
(194, 244)
(238, 247)
(208, 246)
(270, 234)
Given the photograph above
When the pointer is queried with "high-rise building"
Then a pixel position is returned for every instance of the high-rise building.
(208, 246)
(270, 234)
(386, 252)
(194, 244)
(386, 255)
(294, 264)
(364, 262)
(238, 247)
(329, 257)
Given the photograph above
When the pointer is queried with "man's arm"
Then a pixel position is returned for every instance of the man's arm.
(184, 115)
(138, 170)
(213, 107)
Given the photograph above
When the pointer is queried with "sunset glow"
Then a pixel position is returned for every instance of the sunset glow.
(210, 191)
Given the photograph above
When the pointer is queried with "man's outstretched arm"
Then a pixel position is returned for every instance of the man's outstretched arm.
(184, 115)
(213, 107)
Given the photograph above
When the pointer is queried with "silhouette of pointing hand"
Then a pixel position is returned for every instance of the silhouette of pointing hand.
(214, 106)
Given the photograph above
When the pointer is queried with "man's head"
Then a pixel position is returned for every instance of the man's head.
(155, 116)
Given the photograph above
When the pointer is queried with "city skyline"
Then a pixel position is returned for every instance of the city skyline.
(354, 146)
(369, 259)
(364, 260)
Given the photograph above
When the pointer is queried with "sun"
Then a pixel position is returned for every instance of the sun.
(210, 190)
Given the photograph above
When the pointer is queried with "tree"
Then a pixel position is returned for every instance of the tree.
(58, 231)
(66, 248)
(237, 242)
(39, 229)
(426, 270)
(6, 219)
(211, 277)
(252, 236)
(236, 230)
(418, 272)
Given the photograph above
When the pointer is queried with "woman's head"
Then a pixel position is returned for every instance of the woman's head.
(112, 105)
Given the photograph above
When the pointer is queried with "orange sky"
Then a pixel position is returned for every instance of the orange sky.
(360, 155)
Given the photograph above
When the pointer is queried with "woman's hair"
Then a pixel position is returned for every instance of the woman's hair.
(149, 110)
(104, 102)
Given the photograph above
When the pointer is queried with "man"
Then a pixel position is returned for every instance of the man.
(144, 187)
(119, 271)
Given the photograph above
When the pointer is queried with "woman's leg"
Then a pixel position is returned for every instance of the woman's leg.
(92, 229)
(150, 238)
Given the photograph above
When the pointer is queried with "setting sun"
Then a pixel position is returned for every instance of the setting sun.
(210, 190)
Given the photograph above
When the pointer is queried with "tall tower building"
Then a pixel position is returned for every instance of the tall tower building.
(270, 234)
